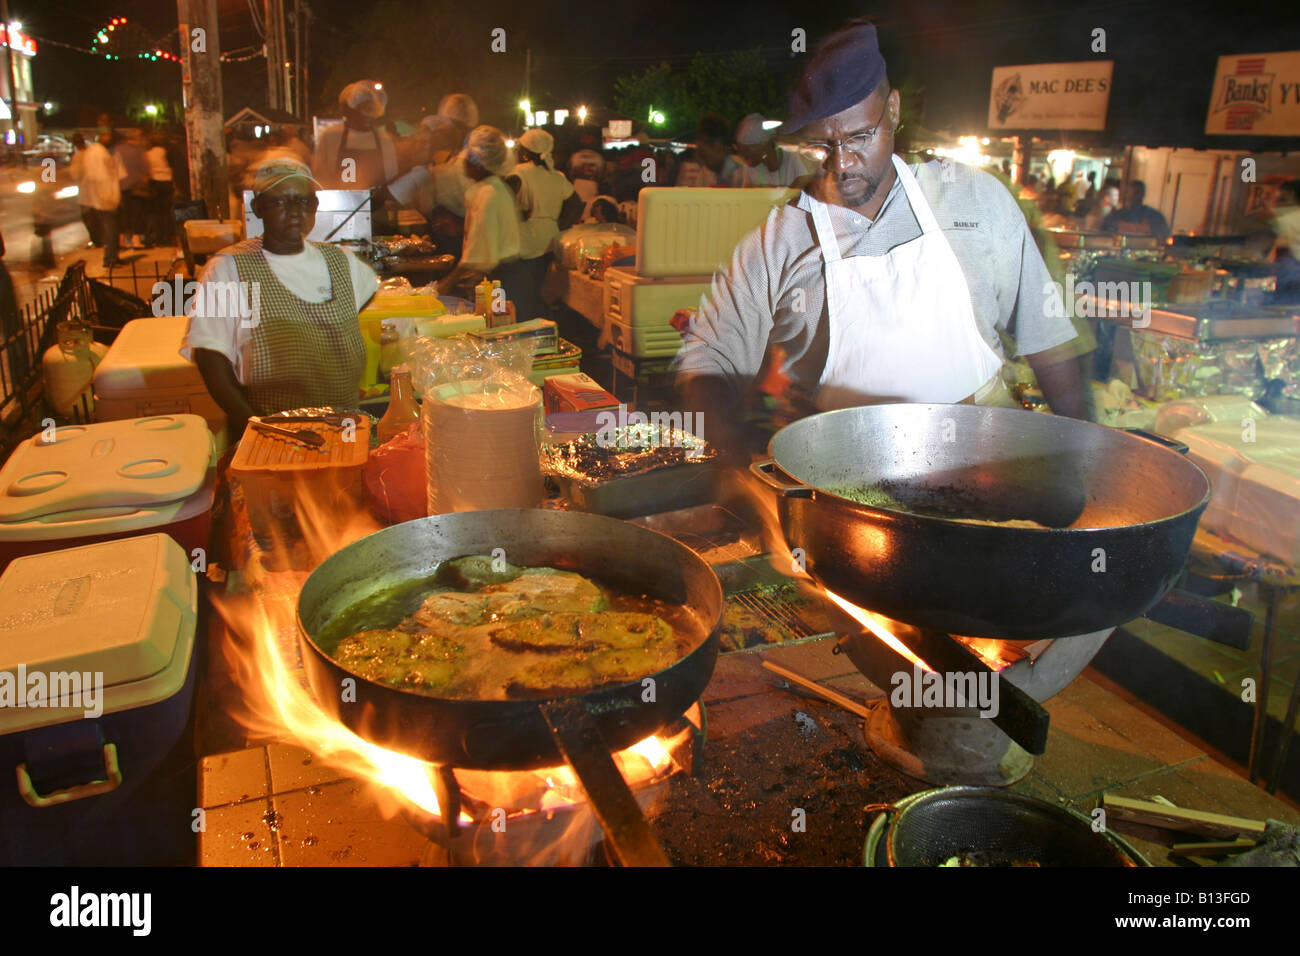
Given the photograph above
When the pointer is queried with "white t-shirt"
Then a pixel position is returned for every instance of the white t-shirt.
(221, 312)
(542, 192)
(792, 167)
(159, 171)
(491, 225)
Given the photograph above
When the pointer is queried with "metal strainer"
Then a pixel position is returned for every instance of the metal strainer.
(991, 826)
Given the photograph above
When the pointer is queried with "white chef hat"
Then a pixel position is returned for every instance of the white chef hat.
(540, 142)
(459, 108)
(486, 148)
(365, 96)
(750, 131)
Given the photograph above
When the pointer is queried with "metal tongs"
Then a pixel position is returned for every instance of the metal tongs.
(310, 438)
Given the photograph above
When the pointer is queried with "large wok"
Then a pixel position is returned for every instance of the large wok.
(1122, 511)
(519, 734)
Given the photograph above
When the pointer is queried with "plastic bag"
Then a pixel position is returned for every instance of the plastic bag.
(394, 477)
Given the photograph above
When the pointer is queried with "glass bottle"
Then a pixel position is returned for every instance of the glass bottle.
(389, 348)
(402, 410)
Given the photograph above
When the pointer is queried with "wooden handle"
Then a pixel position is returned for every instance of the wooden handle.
(848, 703)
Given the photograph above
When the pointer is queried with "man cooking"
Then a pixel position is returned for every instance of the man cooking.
(357, 154)
(273, 324)
(879, 283)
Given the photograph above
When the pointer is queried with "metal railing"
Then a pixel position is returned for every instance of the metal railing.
(25, 336)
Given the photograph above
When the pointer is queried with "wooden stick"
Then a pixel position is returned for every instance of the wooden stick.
(848, 703)
(1211, 849)
(1199, 822)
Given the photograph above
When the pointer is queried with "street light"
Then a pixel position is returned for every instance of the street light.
(582, 114)
(151, 109)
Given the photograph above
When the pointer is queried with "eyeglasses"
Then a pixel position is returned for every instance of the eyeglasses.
(858, 143)
(283, 203)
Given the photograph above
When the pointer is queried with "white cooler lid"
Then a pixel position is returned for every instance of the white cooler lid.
(137, 461)
(146, 355)
(122, 609)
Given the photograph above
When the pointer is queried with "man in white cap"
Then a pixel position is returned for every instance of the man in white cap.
(457, 115)
(547, 205)
(766, 164)
(273, 324)
(491, 246)
(357, 154)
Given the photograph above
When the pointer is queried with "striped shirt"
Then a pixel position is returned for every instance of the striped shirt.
(773, 290)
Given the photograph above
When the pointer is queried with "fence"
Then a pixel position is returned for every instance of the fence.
(27, 333)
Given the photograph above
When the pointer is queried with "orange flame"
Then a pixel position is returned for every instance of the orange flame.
(276, 703)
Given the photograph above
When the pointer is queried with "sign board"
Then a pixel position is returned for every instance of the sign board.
(1051, 95)
(1256, 94)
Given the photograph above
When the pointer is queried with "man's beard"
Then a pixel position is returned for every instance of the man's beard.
(854, 189)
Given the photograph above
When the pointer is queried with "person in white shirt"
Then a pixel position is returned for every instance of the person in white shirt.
(491, 246)
(766, 164)
(357, 154)
(273, 323)
(101, 191)
(547, 205)
(159, 230)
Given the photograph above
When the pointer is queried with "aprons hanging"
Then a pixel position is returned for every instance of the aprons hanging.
(902, 327)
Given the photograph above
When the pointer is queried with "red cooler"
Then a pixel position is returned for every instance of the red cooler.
(86, 483)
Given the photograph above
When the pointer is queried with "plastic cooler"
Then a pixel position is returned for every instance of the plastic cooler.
(145, 374)
(87, 483)
(279, 477)
(97, 671)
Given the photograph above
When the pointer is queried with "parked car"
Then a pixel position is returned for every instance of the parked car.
(49, 144)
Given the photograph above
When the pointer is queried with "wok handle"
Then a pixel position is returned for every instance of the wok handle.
(1172, 444)
(584, 747)
(765, 471)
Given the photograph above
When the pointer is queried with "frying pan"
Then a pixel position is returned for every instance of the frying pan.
(583, 729)
(1121, 512)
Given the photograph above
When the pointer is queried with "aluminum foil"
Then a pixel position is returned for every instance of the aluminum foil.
(1170, 368)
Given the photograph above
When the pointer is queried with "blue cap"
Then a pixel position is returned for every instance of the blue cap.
(845, 69)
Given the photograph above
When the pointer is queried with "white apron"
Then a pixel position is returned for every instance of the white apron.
(902, 327)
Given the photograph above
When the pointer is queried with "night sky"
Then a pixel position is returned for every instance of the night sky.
(1165, 53)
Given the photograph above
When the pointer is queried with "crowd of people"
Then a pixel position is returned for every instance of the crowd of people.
(127, 181)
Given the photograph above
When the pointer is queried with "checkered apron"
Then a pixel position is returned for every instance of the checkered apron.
(305, 354)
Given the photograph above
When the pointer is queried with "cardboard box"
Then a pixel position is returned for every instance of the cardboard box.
(576, 393)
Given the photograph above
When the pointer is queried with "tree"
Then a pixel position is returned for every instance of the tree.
(733, 84)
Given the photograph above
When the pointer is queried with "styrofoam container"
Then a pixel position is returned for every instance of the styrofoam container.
(145, 374)
(102, 772)
(1256, 482)
(106, 481)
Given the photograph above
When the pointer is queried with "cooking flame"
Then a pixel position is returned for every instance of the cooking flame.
(262, 653)
(877, 625)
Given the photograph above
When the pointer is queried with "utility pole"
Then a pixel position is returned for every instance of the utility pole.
(204, 118)
(296, 104)
(276, 56)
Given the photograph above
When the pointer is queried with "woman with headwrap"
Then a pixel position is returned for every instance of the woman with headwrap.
(358, 154)
(547, 205)
(491, 246)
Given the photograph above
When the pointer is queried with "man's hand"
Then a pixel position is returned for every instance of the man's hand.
(714, 399)
(1064, 386)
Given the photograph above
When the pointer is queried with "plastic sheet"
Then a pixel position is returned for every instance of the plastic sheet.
(1170, 368)
(482, 421)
